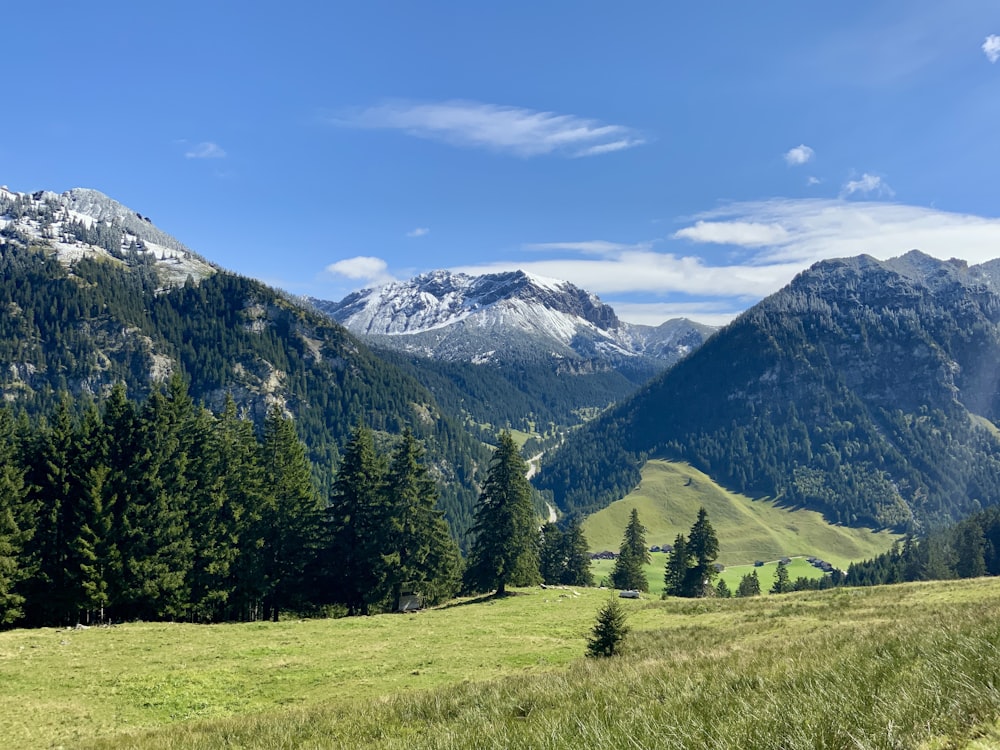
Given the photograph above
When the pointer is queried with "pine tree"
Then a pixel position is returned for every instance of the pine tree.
(551, 557)
(703, 548)
(505, 529)
(722, 589)
(749, 585)
(291, 514)
(12, 536)
(576, 556)
(782, 584)
(426, 556)
(629, 572)
(358, 559)
(675, 575)
(609, 630)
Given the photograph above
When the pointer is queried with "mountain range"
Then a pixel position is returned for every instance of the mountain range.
(866, 389)
(552, 352)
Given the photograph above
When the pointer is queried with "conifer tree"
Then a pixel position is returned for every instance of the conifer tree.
(749, 585)
(628, 572)
(551, 560)
(357, 559)
(703, 548)
(782, 584)
(675, 576)
(12, 536)
(291, 515)
(505, 529)
(424, 552)
(722, 589)
(576, 556)
(609, 630)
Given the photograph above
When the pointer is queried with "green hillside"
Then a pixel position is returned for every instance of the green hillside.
(668, 498)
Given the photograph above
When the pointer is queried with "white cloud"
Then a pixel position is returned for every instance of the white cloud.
(206, 150)
(991, 48)
(811, 180)
(799, 155)
(363, 268)
(514, 130)
(712, 312)
(747, 234)
(768, 243)
(418, 232)
(867, 184)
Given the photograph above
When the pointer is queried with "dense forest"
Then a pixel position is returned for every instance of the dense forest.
(164, 510)
(100, 321)
(860, 391)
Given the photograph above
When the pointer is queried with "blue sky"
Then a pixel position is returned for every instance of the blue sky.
(676, 159)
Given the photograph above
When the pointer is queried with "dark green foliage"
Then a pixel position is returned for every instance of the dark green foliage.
(423, 556)
(722, 589)
(609, 630)
(690, 567)
(505, 546)
(749, 585)
(846, 392)
(100, 323)
(675, 576)
(633, 555)
(12, 531)
(781, 585)
(564, 558)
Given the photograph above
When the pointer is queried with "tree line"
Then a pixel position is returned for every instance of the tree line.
(164, 510)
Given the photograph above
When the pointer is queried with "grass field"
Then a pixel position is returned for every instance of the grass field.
(668, 499)
(732, 575)
(911, 666)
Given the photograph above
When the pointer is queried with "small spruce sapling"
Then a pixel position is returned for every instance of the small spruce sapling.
(609, 630)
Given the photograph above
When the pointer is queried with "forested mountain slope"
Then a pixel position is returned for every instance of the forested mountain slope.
(867, 390)
(90, 301)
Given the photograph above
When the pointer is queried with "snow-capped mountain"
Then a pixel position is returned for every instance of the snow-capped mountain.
(504, 317)
(83, 222)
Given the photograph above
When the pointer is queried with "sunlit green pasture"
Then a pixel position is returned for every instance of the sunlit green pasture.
(911, 666)
(668, 499)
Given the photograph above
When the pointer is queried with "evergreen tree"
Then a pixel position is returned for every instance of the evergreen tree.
(609, 630)
(358, 559)
(291, 514)
(505, 531)
(12, 536)
(749, 585)
(722, 589)
(551, 559)
(675, 576)
(633, 554)
(425, 555)
(703, 549)
(970, 550)
(782, 584)
(576, 556)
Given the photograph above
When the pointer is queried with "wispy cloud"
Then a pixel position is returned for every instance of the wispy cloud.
(364, 268)
(991, 48)
(205, 150)
(514, 130)
(799, 155)
(418, 232)
(812, 180)
(867, 184)
(768, 242)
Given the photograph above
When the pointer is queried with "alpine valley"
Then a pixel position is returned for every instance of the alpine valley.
(867, 390)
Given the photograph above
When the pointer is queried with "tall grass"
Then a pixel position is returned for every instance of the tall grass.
(909, 667)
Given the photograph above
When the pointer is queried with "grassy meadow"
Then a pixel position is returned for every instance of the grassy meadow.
(668, 499)
(909, 666)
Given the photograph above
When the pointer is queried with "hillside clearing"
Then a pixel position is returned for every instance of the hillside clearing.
(668, 498)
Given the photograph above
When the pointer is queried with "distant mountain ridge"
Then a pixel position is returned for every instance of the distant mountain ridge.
(505, 316)
(866, 389)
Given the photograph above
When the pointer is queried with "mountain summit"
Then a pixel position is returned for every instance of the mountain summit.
(505, 317)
